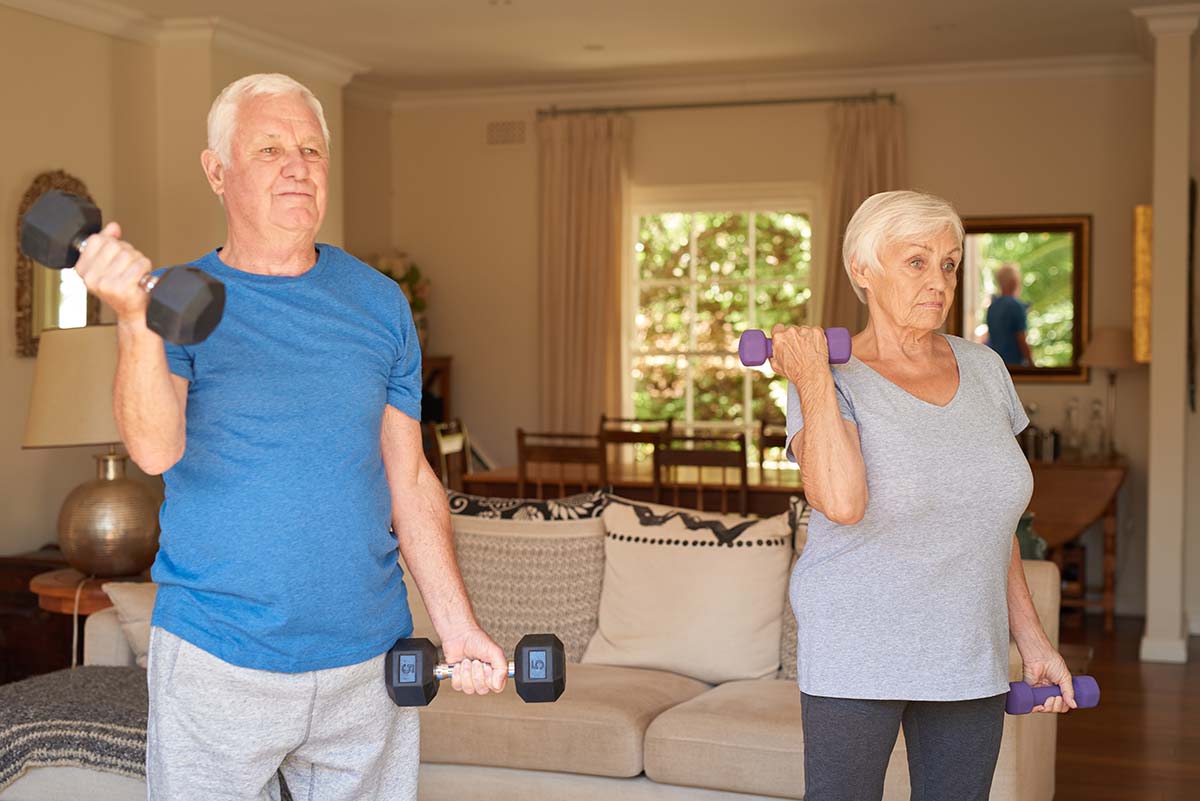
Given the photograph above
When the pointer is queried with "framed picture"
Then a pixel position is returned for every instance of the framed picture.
(1024, 290)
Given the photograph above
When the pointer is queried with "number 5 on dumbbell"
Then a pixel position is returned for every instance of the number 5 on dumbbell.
(185, 303)
(412, 672)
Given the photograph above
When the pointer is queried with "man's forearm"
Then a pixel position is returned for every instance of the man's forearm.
(421, 520)
(146, 406)
(1023, 619)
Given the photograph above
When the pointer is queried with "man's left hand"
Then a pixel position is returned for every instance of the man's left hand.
(480, 665)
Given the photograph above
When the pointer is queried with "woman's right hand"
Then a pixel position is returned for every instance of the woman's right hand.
(798, 350)
(111, 269)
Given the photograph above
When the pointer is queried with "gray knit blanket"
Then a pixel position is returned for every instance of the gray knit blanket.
(89, 717)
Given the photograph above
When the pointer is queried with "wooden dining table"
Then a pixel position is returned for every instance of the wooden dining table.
(769, 488)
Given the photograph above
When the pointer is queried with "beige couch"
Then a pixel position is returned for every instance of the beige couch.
(617, 732)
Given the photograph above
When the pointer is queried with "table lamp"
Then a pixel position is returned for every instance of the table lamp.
(1110, 349)
(108, 526)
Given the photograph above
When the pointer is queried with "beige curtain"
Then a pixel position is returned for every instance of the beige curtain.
(583, 171)
(866, 155)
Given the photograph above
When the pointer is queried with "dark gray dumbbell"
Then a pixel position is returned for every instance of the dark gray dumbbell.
(185, 303)
(412, 672)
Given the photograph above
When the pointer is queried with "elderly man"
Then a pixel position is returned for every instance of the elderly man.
(1006, 318)
(289, 441)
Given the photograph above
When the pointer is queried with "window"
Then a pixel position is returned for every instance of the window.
(701, 276)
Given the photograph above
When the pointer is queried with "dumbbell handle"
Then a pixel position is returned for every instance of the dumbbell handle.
(147, 282)
(444, 671)
(1022, 698)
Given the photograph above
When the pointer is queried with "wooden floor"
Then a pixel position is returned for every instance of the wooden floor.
(1142, 743)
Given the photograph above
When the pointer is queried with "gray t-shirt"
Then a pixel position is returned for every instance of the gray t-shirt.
(910, 603)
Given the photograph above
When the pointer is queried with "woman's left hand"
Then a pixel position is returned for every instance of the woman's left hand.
(1047, 668)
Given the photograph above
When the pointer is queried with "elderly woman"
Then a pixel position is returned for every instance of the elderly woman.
(911, 579)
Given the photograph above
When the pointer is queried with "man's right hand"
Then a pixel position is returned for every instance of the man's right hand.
(111, 269)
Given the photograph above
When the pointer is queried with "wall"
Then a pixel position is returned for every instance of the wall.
(69, 118)
(1035, 144)
(1192, 512)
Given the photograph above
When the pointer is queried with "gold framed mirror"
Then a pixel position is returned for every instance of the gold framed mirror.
(48, 298)
(1024, 290)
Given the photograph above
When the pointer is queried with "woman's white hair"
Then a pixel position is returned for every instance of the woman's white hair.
(891, 217)
(222, 116)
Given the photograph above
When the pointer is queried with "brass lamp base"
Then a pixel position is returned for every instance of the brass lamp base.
(109, 526)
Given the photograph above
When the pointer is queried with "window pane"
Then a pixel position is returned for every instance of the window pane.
(783, 246)
(784, 303)
(721, 316)
(662, 247)
(662, 319)
(722, 246)
(718, 388)
(660, 387)
(769, 396)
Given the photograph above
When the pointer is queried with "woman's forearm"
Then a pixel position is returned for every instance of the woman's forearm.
(830, 456)
(1023, 621)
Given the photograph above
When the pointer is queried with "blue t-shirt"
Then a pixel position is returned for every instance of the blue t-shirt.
(276, 551)
(1006, 319)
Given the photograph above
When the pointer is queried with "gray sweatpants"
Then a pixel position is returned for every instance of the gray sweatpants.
(222, 733)
(952, 747)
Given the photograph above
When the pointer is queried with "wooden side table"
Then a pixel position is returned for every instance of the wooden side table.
(56, 591)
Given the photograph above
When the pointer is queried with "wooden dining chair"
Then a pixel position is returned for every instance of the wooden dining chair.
(771, 434)
(621, 431)
(543, 459)
(712, 456)
(454, 452)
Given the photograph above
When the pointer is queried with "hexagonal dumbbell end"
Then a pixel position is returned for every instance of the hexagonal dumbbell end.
(54, 227)
(540, 667)
(408, 672)
(185, 306)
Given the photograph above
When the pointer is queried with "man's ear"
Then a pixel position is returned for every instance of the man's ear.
(214, 171)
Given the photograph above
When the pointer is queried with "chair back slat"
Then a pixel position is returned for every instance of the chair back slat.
(543, 458)
(704, 453)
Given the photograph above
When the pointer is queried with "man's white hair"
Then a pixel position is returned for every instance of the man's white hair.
(890, 217)
(222, 116)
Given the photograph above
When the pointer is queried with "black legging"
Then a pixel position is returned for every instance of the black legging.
(952, 747)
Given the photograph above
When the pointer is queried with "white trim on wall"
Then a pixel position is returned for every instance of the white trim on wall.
(115, 20)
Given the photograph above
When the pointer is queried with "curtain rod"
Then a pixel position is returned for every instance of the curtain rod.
(555, 111)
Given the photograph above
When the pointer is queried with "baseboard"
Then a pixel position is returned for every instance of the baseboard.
(1172, 650)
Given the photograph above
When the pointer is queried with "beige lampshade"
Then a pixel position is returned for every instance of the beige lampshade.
(71, 402)
(1110, 349)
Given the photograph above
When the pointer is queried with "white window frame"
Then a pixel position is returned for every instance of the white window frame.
(803, 197)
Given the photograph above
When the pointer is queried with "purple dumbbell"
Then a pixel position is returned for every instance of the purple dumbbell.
(754, 348)
(1022, 698)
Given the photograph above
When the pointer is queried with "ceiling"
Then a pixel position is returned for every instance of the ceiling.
(459, 44)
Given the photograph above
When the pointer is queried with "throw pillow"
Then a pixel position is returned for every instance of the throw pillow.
(697, 594)
(572, 507)
(134, 602)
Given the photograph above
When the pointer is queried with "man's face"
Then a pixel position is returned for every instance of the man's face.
(278, 170)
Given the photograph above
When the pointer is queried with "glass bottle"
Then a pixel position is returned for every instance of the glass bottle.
(1031, 438)
(1095, 440)
(1072, 433)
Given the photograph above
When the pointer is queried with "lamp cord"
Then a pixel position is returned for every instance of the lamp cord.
(75, 622)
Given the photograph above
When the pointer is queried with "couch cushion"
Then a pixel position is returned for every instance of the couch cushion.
(572, 507)
(744, 736)
(597, 727)
(134, 602)
(677, 581)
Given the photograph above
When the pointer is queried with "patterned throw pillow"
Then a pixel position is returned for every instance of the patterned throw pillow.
(799, 513)
(572, 507)
(677, 582)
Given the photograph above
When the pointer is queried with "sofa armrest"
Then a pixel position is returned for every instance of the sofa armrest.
(103, 641)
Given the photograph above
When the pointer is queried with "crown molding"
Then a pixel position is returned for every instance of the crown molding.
(766, 85)
(369, 94)
(228, 35)
(93, 15)
(126, 23)
(1181, 18)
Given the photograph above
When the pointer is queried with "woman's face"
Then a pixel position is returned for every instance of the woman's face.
(916, 285)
